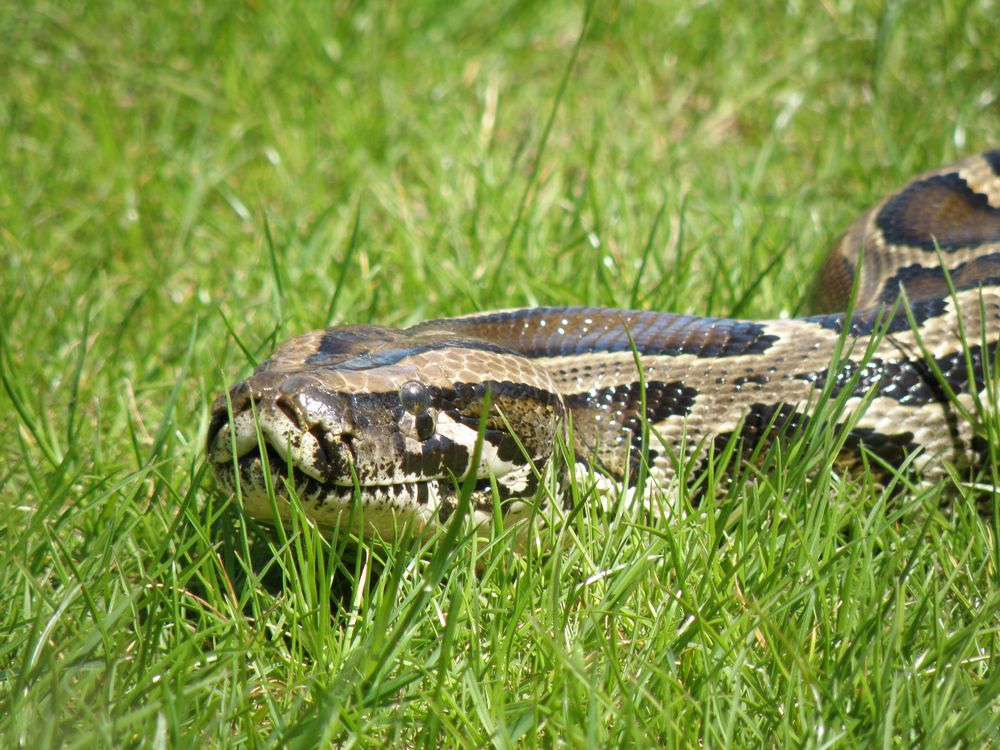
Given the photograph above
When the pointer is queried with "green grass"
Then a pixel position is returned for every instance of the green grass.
(181, 189)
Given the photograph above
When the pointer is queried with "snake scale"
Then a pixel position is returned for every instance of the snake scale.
(377, 427)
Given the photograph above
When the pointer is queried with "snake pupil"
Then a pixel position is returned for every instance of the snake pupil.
(424, 425)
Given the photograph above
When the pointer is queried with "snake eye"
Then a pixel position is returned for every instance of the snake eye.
(414, 397)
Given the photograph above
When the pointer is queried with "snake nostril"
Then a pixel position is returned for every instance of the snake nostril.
(219, 420)
(287, 408)
(348, 448)
(326, 455)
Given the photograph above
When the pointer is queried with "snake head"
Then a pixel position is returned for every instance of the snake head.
(387, 417)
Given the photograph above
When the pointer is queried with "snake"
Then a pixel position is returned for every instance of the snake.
(376, 429)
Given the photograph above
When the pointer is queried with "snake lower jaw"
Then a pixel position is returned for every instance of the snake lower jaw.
(263, 482)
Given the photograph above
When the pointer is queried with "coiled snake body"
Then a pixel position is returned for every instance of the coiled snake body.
(381, 424)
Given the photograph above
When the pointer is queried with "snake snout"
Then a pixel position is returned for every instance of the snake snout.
(305, 427)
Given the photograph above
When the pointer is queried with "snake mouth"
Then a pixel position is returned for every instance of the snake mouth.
(253, 465)
(264, 477)
(264, 451)
(307, 465)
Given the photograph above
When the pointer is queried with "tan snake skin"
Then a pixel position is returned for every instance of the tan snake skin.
(377, 427)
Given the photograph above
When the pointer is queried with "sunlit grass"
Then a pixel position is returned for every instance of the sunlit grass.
(180, 189)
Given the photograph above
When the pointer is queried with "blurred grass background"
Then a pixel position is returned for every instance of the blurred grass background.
(175, 178)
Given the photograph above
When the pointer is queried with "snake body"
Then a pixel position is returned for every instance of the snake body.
(377, 427)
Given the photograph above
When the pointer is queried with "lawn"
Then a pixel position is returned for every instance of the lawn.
(182, 188)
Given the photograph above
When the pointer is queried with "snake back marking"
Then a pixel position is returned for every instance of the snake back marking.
(381, 424)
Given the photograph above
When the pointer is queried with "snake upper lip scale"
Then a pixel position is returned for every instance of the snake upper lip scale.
(379, 425)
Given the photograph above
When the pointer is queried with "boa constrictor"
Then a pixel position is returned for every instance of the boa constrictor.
(377, 427)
